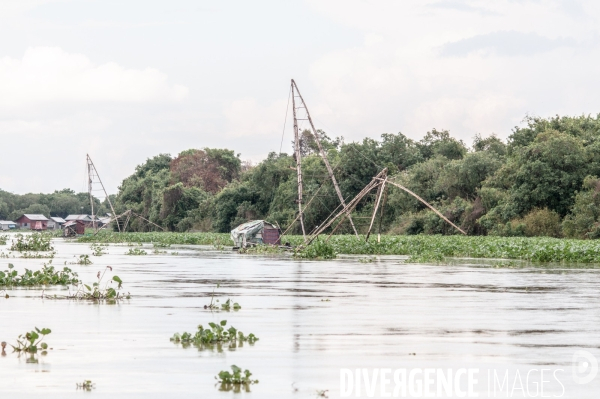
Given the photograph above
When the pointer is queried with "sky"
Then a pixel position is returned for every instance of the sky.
(125, 80)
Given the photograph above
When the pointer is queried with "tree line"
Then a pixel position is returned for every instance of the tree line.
(543, 180)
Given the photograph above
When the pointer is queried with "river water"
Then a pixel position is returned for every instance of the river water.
(515, 330)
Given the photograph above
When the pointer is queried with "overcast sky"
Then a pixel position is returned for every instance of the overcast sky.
(126, 80)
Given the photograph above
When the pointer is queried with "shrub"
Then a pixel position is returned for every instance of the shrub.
(542, 223)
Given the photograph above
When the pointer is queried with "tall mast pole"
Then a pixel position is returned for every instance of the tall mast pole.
(298, 159)
(322, 152)
(90, 179)
(92, 167)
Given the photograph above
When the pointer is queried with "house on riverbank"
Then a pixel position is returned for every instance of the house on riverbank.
(7, 225)
(32, 222)
(55, 223)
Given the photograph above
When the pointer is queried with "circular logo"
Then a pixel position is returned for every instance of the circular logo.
(585, 367)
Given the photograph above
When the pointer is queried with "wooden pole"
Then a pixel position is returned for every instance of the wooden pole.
(298, 161)
(349, 207)
(379, 195)
(427, 204)
(91, 164)
(324, 156)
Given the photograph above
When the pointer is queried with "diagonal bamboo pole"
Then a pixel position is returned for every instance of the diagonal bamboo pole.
(427, 204)
(379, 195)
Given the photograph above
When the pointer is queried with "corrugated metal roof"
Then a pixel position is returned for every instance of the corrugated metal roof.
(7, 222)
(57, 219)
(79, 217)
(35, 217)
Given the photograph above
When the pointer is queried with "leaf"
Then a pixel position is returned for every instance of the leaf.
(88, 287)
(223, 322)
(45, 331)
(44, 345)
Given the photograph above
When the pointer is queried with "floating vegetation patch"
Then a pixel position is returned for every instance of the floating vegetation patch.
(82, 260)
(426, 257)
(32, 341)
(319, 249)
(99, 249)
(48, 275)
(229, 305)
(136, 252)
(534, 249)
(86, 385)
(261, 250)
(100, 291)
(38, 255)
(205, 338)
(32, 242)
(159, 238)
(235, 380)
(3, 239)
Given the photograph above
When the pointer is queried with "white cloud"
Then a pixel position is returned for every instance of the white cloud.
(470, 67)
(49, 74)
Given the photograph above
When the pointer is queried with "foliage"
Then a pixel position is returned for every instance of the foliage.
(99, 292)
(236, 377)
(542, 223)
(538, 249)
(214, 334)
(491, 188)
(318, 249)
(3, 239)
(86, 385)
(584, 219)
(31, 341)
(46, 276)
(82, 260)
(59, 203)
(261, 250)
(230, 305)
(426, 257)
(98, 249)
(136, 252)
(32, 242)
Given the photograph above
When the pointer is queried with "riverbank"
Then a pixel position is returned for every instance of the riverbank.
(535, 249)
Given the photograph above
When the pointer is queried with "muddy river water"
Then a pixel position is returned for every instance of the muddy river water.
(532, 331)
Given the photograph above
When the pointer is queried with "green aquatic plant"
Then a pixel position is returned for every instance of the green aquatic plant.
(426, 257)
(213, 334)
(3, 239)
(99, 291)
(32, 341)
(32, 242)
(82, 260)
(136, 252)
(319, 249)
(43, 255)
(230, 305)
(261, 250)
(98, 249)
(86, 385)
(237, 376)
(533, 249)
(48, 275)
